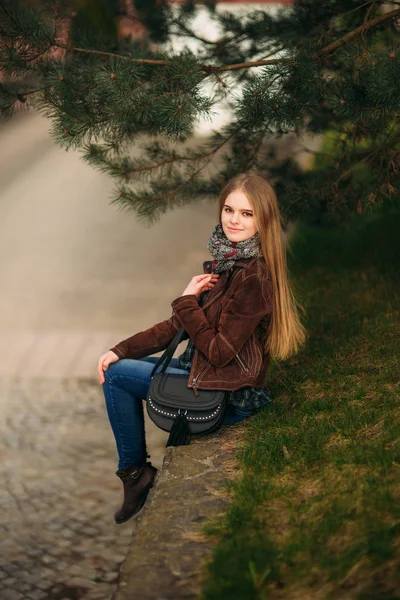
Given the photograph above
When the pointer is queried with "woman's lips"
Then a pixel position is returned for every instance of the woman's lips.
(231, 228)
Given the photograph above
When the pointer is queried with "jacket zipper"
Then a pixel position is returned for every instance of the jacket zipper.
(242, 363)
(195, 381)
(237, 355)
(211, 300)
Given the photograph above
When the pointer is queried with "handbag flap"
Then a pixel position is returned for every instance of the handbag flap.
(170, 389)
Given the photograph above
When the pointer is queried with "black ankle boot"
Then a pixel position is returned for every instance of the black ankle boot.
(137, 480)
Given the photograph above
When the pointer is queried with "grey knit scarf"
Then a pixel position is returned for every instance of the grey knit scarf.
(225, 252)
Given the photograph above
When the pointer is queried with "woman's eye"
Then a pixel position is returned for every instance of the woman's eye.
(245, 213)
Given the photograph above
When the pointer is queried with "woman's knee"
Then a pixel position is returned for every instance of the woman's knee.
(115, 369)
(128, 368)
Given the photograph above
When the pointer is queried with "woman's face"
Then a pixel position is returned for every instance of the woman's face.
(237, 217)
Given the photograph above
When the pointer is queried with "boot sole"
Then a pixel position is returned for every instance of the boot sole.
(140, 506)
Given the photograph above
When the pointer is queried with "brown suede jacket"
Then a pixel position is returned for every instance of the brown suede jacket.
(227, 331)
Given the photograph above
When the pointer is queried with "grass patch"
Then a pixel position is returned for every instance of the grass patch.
(315, 512)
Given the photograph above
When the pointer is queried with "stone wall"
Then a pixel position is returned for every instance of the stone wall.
(168, 553)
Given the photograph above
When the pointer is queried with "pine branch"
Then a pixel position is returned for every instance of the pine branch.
(367, 155)
(163, 197)
(98, 101)
(358, 31)
(61, 108)
(245, 65)
(251, 64)
(253, 157)
(179, 158)
(190, 33)
(144, 61)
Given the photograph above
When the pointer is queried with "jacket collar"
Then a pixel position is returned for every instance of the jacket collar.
(242, 263)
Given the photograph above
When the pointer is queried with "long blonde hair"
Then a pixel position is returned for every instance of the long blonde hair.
(286, 334)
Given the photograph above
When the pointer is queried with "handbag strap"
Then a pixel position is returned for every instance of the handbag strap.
(165, 358)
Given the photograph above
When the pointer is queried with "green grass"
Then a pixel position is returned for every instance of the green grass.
(315, 513)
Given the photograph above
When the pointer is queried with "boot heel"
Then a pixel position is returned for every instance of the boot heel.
(137, 481)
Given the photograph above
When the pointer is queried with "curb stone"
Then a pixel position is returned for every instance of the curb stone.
(166, 559)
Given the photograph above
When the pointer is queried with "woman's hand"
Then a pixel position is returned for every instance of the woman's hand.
(201, 283)
(104, 360)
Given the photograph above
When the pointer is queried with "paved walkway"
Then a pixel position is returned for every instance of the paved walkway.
(58, 493)
(78, 275)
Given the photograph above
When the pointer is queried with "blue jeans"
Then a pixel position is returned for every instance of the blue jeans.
(125, 386)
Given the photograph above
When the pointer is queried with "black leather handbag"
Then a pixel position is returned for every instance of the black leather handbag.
(174, 407)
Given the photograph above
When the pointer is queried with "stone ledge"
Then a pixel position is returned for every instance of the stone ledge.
(167, 555)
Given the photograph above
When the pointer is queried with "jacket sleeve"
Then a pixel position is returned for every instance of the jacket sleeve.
(238, 320)
(151, 340)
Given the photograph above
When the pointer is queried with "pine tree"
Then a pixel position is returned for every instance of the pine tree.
(130, 107)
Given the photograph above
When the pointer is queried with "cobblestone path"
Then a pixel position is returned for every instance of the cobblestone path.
(59, 491)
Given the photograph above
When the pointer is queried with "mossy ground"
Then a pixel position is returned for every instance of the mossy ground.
(315, 512)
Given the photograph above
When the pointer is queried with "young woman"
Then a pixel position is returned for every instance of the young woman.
(248, 314)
